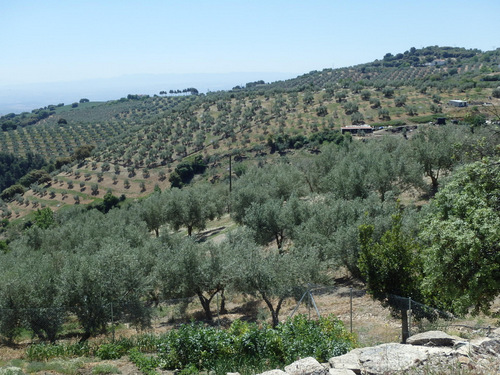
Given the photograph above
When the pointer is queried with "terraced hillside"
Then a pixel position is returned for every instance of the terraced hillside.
(140, 140)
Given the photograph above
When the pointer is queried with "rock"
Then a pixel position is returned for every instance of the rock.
(463, 348)
(464, 360)
(306, 366)
(339, 371)
(348, 361)
(489, 347)
(396, 357)
(274, 372)
(495, 333)
(431, 338)
(386, 358)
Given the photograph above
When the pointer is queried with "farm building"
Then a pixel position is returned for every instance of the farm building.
(458, 103)
(355, 129)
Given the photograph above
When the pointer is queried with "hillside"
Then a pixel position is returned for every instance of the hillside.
(148, 212)
(141, 139)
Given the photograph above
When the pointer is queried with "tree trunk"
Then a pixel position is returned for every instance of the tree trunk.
(434, 181)
(274, 312)
(205, 303)
(404, 326)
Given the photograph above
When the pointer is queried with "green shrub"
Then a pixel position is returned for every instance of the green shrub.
(146, 364)
(112, 350)
(246, 345)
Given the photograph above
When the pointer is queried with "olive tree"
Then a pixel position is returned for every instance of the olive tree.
(392, 267)
(275, 219)
(272, 275)
(188, 269)
(106, 286)
(257, 185)
(192, 207)
(152, 212)
(462, 234)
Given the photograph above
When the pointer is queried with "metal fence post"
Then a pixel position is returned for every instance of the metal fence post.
(112, 323)
(409, 316)
(351, 305)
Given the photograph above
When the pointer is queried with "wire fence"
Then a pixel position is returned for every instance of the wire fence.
(352, 305)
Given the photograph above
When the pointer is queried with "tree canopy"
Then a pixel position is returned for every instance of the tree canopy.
(462, 233)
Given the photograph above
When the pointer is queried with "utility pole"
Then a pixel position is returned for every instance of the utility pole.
(230, 184)
(230, 176)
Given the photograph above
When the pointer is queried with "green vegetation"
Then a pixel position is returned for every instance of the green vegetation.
(196, 346)
(300, 202)
(12, 168)
(462, 256)
(246, 345)
(391, 266)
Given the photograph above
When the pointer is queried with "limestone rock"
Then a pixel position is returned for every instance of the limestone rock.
(274, 372)
(386, 358)
(489, 347)
(348, 361)
(396, 357)
(464, 360)
(431, 338)
(306, 366)
(339, 371)
(495, 333)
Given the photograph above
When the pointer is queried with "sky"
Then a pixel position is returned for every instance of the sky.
(63, 46)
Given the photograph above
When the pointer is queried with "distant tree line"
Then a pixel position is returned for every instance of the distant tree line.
(190, 90)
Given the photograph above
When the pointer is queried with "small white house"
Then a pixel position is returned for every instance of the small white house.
(458, 103)
(437, 62)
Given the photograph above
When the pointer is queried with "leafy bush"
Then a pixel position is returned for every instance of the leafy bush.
(247, 344)
(186, 170)
(11, 191)
(146, 364)
(112, 351)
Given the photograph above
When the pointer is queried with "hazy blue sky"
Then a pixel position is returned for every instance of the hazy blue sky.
(65, 40)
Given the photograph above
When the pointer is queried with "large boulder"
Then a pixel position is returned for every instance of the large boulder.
(338, 371)
(306, 366)
(386, 358)
(432, 338)
(434, 350)
(274, 372)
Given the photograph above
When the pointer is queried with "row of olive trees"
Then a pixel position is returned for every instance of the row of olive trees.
(106, 267)
(79, 265)
(101, 267)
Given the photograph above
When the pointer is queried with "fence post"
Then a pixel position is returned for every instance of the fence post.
(112, 323)
(314, 304)
(409, 316)
(217, 304)
(351, 305)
